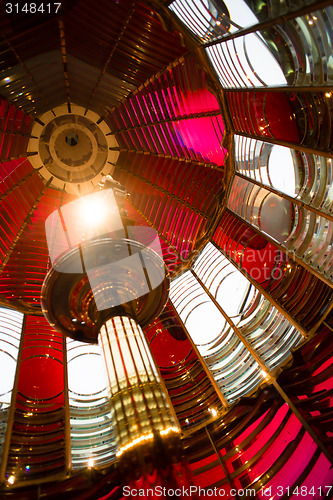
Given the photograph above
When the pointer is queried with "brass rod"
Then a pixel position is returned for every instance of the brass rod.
(236, 330)
(11, 415)
(264, 292)
(190, 116)
(200, 358)
(170, 157)
(64, 62)
(17, 132)
(303, 421)
(24, 225)
(328, 326)
(280, 142)
(24, 66)
(220, 459)
(16, 157)
(114, 46)
(154, 77)
(165, 191)
(15, 186)
(272, 22)
(322, 319)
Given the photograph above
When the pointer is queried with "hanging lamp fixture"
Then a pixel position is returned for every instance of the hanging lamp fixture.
(107, 281)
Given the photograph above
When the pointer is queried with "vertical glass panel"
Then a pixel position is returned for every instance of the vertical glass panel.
(296, 228)
(305, 176)
(92, 438)
(38, 405)
(269, 334)
(10, 334)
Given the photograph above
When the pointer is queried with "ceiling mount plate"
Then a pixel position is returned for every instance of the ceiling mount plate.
(73, 148)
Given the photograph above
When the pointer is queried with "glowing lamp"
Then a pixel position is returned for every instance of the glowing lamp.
(107, 281)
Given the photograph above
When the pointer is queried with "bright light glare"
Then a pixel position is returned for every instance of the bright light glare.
(281, 170)
(90, 462)
(7, 374)
(93, 210)
(79, 221)
(11, 479)
(240, 13)
(86, 369)
(232, 291)
(262, 60)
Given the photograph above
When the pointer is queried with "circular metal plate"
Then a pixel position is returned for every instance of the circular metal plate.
(119, 277)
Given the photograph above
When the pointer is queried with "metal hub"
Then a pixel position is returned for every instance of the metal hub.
(119, 277)
(77, 149)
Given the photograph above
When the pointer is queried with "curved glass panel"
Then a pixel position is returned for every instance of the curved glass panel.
(92, 437)
(304, 176)
(210, 19)
(302, 295)
(300, 231)
(37, 446)
(183, 373)
(269, 335)
(10, 334)
(245, 62)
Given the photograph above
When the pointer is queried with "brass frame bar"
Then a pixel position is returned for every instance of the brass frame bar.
(17, 132)
(272, 22)
(165, 191)
(15, 186)
(17, 157)
(177, 158)
(154, 77)
(272, 380)
(24, 225)
(21, 62)
(262, 290)
(302, 420)
(328, 326)
(239, 334)
(284, 88)
(322, 319)
(11, 415)
(220, 459)
(113, 49)
(191, 255)
(290, 254)
(291, 145)
(204, 114)
(200, 358)
(64, 61)
(297, 201)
